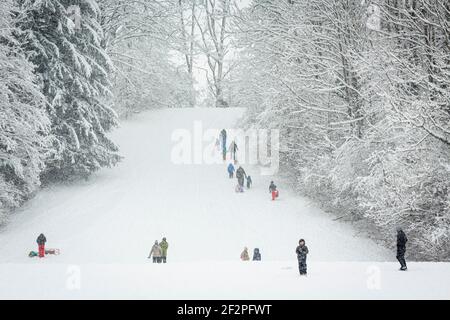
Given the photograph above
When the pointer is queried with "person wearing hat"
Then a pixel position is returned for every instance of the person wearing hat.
(155, 252)
(41, 240)
(244, 255)
(256, 255)
(302, 251)
(164, 246)
(273, 190)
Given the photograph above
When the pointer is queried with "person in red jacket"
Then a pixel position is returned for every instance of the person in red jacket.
(41, 240)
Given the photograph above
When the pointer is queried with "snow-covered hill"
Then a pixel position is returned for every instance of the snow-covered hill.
(105, 227)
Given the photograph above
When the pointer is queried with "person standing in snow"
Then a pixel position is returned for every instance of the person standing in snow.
(156, 253)
(240, 175)
(244, 255)
(230, 170)
(164, 247)
(233, 149)
(256, 255)
(41, 240)
(302, 251)
(273, 190)
(249, 182)
(223, 139)
(401, 248)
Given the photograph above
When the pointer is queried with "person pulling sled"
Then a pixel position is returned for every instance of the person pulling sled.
(241, 175)
(273, 190)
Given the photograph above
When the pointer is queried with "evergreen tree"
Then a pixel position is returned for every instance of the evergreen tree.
(23, 122)
(65, 41)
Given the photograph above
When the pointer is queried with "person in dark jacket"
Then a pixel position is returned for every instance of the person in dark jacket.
(41, 240)
(302, 251)
(401, 248)
(223, 138)
(240, 175)
(233, 149)
(256, 255)
(273, 190)
(249, 182)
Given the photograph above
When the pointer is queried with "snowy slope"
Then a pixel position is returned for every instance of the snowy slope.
(106, 226)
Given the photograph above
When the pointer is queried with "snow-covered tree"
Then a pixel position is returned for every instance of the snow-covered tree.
(65, 41)
(23, 122)
(142, 38)
(213, 22)
(146, 78)
(359, 90)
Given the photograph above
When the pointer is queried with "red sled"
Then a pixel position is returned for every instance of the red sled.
(275, 194)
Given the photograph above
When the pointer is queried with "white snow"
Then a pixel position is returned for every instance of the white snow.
(106, 226)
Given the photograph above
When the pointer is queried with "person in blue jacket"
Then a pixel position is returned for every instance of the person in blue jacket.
(230, 170)
(223, 140)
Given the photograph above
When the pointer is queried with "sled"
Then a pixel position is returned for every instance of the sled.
(33, 254)
(55, 252)
(275, 194)
(52, 251)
